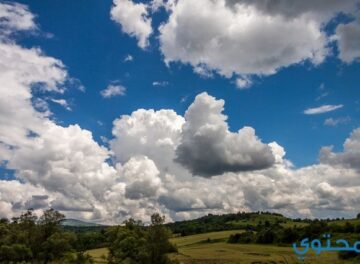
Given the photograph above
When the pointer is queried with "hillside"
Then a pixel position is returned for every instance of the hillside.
(241, 220)
(77, 223)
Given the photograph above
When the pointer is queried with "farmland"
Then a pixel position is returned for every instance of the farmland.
(212, 248)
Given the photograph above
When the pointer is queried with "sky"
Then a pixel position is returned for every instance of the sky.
(118, 109)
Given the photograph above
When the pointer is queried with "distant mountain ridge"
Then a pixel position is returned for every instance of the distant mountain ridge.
(78, 223)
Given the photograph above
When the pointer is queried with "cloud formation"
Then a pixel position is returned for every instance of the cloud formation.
(113, 90)
(248, 37)
(348, 38)
(351, 155)
(322, 109)
(208, 148)
(148, 164)
(134, 20)
(243, 37)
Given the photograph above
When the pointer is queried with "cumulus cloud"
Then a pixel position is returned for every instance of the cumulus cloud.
(134, 20)
(208, 148)
(350, 157)
(149, 164)
(155, 134)
(142, 178)
(322, 109)
(348, 39)
(242, 37)
(113, 90)
(247, 37)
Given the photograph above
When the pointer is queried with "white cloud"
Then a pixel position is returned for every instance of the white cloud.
(142, 178)
(203, 71)
(322, 109)
(113, 90)
(243, 82)
(63, 103)
(128, 58)
(134, 20)
(351, 155)
(160, 83)
(246, 38)
(15, 17)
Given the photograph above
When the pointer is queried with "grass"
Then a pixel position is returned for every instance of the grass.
(99, 255)
(198, 249)
(211, 248)
(355, 221)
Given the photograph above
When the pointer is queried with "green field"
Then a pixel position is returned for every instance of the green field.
(198, 249)
(98, 254)
(212, 248)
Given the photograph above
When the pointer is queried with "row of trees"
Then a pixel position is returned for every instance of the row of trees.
(29, 239)
(38, 240)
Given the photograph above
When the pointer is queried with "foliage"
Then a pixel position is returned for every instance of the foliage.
(134, 243)
(38, 240)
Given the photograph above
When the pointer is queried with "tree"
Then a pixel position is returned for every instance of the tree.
(158, 240)
(134, 243)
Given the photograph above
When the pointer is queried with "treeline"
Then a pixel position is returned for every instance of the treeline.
(268, 233)
(212, 223)
(29, 239)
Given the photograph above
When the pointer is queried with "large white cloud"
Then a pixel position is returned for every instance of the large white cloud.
(243, 37)
(248, 37)
(134, 20)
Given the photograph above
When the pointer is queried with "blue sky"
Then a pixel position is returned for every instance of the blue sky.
(304, 62)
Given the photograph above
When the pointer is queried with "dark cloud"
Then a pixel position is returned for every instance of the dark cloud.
(208, 148)
(348, 38)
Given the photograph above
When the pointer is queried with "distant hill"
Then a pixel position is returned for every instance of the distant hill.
(241, 220)
(78, 223)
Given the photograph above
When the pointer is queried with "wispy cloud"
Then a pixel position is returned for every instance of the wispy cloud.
(160, 83)
(322, 109)
(128, 58)
(113, 90)
(243, 82)
(63, 103)
(337, 121)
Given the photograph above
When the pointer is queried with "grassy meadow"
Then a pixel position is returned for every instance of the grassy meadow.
(212, 248)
